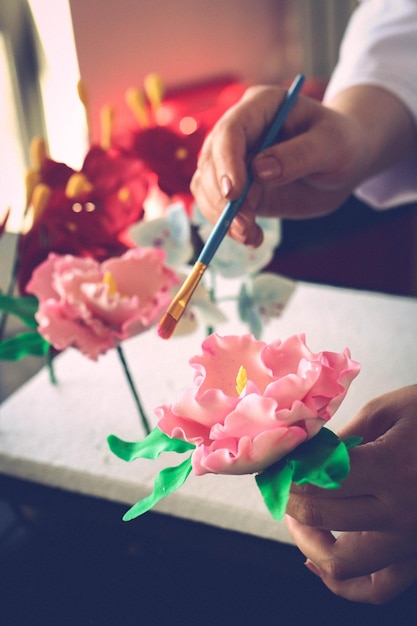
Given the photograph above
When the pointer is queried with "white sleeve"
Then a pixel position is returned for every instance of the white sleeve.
(380, 48)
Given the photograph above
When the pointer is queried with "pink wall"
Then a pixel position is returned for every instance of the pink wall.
(120, 41)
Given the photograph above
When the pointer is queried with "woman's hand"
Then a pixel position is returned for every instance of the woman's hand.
(324, 152)
(375, 556)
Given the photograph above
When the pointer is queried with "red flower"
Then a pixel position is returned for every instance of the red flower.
(84, 213)
(171, 156)
(171, 143)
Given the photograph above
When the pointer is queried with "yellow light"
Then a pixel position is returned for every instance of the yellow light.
(181, 153)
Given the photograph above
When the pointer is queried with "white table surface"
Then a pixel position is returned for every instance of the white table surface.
(56, 435)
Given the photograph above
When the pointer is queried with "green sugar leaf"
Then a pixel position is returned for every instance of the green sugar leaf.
(23, 307)
(168, 480)
(22, 345)
(149, 448)
(322, 461)
(274, 483)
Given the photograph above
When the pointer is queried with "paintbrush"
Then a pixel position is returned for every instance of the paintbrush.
(177, 307)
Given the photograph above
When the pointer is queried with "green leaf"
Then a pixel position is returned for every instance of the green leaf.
(352, 441)
(322, 461)
(168, 480)
(274, 483)
(149, 448)
(23, 307)
(23, 345)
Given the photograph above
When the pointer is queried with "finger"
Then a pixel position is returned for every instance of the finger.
(359, 504)
(300, 156)
(352, 554)
(343, 514)
(205, 173)
(212, 193)
(288, 161)
(244, 227)
(207, 197)
(303, 158)
(379, 415)
(234, 138)
(377, 588)
(363, 478)
(228, 153)
(225, 153)
(380, 426)
(246, 231)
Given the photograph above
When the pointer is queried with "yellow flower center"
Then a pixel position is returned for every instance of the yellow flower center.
(40, 198)
(241, 380)
(78, 185)
(135, 100)
(108, 279)
(154, 89)
(38, 153)
(124, 194)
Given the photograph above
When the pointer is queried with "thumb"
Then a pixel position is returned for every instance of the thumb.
(290, 160)
(380, 414)
(318, 147)
(378, 588)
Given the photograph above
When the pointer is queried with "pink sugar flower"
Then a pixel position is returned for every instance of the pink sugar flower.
(94, 306)
(253, 402)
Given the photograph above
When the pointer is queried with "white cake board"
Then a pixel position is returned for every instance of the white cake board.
(56, 435)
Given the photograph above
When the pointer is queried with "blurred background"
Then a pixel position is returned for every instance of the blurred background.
(58, 564)
(46, 46)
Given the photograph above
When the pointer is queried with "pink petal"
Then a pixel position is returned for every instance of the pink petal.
(210, 408)
(252, 456)
(253, 415)
(222, 357)
(179, 427)
(63, 332)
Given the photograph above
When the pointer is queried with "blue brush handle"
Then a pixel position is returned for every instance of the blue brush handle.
(222, 226)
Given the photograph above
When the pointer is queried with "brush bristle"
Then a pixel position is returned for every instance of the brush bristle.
(166, 326)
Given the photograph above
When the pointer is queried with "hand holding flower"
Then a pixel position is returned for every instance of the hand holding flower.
(375, 557)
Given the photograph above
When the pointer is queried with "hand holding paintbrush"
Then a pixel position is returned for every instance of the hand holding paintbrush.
(177, 307)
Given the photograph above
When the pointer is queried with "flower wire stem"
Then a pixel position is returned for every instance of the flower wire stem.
(212, 295)
(3, 322)
(9, 292)
(51, 369)
(13, 277)
(136, 397)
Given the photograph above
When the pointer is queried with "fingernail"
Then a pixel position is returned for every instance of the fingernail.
(238, 236)
(267, 168)
(226, 185)
(312, 567)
